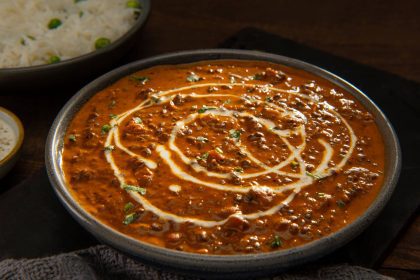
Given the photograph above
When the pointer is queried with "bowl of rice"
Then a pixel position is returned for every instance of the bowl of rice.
(50, 42)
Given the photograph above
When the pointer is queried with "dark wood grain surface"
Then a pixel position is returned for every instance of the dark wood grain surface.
(381, 34)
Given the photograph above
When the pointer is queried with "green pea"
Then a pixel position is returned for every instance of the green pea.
(54, 59)
(133, 4)
(54, 23)
(102, 43)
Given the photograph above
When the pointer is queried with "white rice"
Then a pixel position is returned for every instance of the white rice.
(26, 40)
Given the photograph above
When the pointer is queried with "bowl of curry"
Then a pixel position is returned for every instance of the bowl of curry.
(223, 162)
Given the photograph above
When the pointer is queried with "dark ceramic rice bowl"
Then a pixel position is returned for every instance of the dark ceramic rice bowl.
(231, 266)
(46, 77)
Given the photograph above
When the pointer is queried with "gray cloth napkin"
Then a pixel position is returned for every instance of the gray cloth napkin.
(102, 262)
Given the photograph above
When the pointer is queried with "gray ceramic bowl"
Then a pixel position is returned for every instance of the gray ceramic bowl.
(217, 265)
(75, 70)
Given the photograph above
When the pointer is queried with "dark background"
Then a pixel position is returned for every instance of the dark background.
(381, 34)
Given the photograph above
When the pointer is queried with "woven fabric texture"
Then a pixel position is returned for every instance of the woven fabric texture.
(102, 262)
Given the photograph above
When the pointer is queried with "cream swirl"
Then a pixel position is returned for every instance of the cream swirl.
(170, 150)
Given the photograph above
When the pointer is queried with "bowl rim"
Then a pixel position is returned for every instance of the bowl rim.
(146, 6)
(220, 263)
(20, 136)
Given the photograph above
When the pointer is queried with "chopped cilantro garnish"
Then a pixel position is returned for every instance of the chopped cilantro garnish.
(109, 148)
(341, 203)
(276, 242)
(106, 128)
(204, 156)
(72, 138)
(269, 99)
(258, 76)
(155, 98)
(128, 206)
(314, 176)
(238, 169)
(112, 116)
(294, 163)
(130, 218)
(233, 133)
(137, 120)
(133, 188)
(205, 109)
(193, 78)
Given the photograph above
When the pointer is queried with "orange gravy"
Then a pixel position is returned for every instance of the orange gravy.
(224, 157)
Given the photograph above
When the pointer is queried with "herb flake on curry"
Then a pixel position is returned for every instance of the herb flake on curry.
(224, 157)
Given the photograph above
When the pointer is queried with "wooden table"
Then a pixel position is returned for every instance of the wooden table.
(382, 34)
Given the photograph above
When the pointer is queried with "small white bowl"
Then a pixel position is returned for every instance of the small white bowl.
(12, 122)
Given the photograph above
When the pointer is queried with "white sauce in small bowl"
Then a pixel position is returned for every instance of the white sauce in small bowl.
(10, 130)
(11, 139)
(8, 138)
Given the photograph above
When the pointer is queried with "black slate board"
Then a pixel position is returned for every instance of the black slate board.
(33, 223)
(399, 99)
